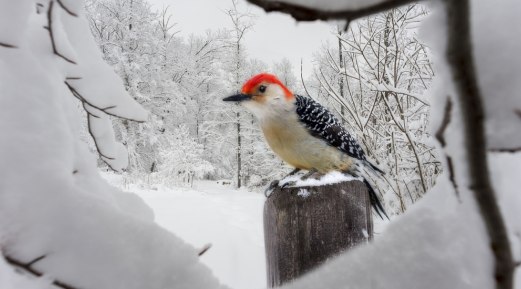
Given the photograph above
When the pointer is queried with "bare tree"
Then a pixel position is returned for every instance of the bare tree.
(375, 81)
(241, 24)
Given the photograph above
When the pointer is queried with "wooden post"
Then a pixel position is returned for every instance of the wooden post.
(304, 226)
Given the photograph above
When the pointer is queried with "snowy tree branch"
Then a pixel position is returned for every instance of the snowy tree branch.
(505, 150)
(95, 112)
(6, 45)
(440, 133)
(60, 2)
(27, 267)
(51, 32)
(302, 13)
(204, 249)
(460, 58)
(440, 136)
(386, 88)
(84, 100)
(302, 80)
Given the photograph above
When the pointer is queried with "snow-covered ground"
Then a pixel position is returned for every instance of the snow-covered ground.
(229, 219)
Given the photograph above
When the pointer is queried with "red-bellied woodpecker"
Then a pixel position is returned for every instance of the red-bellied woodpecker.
(302, 132)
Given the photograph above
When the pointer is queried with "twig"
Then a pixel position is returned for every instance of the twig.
(105, 110)
(440, 136)
(393, 90)
(302, 13)
(98, 149)
(505, 150)
(204, 249)
(35, 260)
(302, 79)
(452, 176)
(27, 267)
(440, 133)
(51, 33)
(346, 26)
(2, 44)
(90, 114)
(460, 57)
(66, 9)
(39, 7)
(94, 138)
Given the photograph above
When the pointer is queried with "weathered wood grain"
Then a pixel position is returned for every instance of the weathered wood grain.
(304, 226)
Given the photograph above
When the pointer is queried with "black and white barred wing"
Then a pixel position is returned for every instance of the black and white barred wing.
(323, 124)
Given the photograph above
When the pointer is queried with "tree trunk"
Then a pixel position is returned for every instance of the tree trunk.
(239, 165)
(304, 226)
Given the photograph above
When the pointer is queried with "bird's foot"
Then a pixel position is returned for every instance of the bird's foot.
(288, 184)
(312, 173)
(353, 173)
(293, 172)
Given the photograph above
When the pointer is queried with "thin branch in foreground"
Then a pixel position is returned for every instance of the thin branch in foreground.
(66, 9)
(505, 150)
(302, 79)
(105, 109)
(39, 8)
(302, 13)
(35, 260)
(440, 136)
(51, 33)
(204, 249)
(6, 45)
(346, 26)
(461, 60)
(103, 156)
(86, 104)
(440, 133)
(27, 268)
(94, 138)
(452, 176)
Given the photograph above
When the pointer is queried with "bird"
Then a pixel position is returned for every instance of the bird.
(303, 133)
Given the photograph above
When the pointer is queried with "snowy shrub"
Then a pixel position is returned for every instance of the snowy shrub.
(183, 161)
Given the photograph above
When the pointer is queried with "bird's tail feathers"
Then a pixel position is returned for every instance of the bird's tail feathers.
(375, 201)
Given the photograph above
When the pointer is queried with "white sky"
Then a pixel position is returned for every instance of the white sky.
(273, 37)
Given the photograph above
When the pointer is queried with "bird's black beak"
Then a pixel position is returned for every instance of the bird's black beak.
(238, 97)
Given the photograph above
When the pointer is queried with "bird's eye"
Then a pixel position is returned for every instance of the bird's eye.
(262, 88)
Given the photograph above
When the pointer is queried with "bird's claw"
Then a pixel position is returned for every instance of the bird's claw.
(288, 184)
(270, 188)
(310, 174)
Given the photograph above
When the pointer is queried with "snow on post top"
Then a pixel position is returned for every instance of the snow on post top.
(333, 177)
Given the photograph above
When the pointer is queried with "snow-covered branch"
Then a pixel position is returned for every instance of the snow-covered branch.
(330, 10)
(383, 87)
(471, 102)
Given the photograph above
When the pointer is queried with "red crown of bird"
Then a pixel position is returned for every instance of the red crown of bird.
(250, 85)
